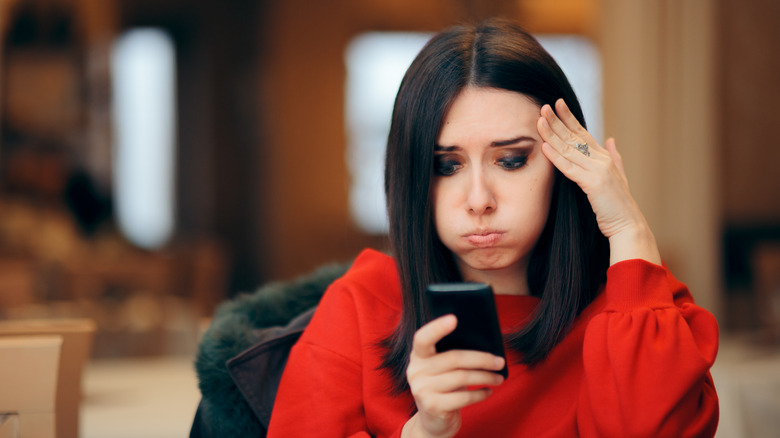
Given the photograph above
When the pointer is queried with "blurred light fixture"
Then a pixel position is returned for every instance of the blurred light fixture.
(376, 63)
(144, 116)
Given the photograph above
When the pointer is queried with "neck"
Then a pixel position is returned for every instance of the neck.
(507, 281)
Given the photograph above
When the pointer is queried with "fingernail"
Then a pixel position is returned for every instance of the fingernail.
(499, 362)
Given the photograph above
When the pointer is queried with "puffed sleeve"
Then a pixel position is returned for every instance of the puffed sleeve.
(647, 358)
(322, 390)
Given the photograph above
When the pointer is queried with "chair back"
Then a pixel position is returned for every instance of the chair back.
(77, 337)
(28, 377)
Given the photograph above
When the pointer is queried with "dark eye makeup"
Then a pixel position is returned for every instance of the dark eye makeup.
(512, 161)
(447, 163)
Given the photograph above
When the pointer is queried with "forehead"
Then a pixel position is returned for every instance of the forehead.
(488, 114)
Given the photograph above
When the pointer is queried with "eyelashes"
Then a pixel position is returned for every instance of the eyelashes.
(512, 162)
(444, 166)
(448, 164)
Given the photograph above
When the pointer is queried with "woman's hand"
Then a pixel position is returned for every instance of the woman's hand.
(444, 383)
(599, 172)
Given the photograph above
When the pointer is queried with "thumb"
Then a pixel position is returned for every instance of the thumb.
(611, 147)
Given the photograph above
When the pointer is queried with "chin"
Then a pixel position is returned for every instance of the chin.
(489, 260)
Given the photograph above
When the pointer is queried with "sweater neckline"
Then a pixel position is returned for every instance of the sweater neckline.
(513, 310)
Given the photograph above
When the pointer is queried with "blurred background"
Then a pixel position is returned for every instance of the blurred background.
(160, 156)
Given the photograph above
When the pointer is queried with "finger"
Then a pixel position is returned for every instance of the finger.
(611, 147)
(547, 133)
(563, 139)
(425, 339)
(567, 118)
(578, 132)
(459, 380)
(464, 360)
(567, 168)
(454, 401)
(560, 129)
(556, 125)
(571, 157)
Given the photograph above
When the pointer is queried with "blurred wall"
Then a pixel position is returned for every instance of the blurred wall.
(747, 73)
(748, 184)
(659, 105)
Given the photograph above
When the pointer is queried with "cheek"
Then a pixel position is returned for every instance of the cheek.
(444, 204)
(540, 196)
(546, 180)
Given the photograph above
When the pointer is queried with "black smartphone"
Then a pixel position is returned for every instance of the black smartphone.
(475, 307)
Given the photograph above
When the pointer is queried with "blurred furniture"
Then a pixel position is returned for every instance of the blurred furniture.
(77, 337)
(28, 378)
(143, 302)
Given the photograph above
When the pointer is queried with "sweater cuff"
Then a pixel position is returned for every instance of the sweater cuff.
(637, 283)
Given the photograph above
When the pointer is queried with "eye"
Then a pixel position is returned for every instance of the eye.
(512, 162)
(445, 165)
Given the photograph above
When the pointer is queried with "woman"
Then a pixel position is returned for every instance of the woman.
(491, 177)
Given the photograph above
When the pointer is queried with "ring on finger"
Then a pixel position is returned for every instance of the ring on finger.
(583, 148)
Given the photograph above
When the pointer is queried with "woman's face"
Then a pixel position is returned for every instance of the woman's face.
(492, 184)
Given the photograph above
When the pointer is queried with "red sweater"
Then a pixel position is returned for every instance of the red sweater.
(635, 364)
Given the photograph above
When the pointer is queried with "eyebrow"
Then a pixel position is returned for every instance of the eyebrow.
(497, 143)
(521, 139)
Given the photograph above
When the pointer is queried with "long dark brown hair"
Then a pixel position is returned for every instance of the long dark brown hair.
(571, 257)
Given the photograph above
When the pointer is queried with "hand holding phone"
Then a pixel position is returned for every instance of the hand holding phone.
(474, 306)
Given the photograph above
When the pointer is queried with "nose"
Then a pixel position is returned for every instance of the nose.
(480, 197)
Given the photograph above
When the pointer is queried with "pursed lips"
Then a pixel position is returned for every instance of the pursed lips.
(484, 239)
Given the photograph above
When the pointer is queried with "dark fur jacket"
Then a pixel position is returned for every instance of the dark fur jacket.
(244, 350)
